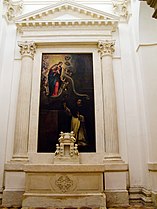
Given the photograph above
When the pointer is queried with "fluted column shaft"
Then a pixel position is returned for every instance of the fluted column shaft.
(106, 49)
(27, 51)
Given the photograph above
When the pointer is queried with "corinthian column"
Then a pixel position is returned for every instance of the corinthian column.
(106, 50)
(27, 50)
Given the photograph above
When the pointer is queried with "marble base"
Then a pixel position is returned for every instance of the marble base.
(66, 201)
(64, 186)
(12, 198)
(77, 185)
(117, 198)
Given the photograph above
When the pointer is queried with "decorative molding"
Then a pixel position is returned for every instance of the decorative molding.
(106, 47)
(152, 166)
(27, 49)
(65, 6)
(14, 8)
(69, 22)
(9, 166)
(57, 15)
(140, 195)
(120, 8)
(145, 45)
(91, 24)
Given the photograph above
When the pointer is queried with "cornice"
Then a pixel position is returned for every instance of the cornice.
(67, 5)
(45, 17)
(64, 23)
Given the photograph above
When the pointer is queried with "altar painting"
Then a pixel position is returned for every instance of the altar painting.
(66, 100)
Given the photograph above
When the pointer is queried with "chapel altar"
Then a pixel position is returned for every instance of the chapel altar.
(66, 87)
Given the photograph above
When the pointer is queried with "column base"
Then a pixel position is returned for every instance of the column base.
(115, 182)
(152, 167)
(140, 196)
(19, 158)
(112, 158)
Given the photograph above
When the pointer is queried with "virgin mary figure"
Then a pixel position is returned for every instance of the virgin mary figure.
(54, 79)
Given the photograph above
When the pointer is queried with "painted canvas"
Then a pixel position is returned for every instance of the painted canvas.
(66, 100)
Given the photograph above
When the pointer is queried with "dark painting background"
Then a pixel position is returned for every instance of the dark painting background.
(79, 85)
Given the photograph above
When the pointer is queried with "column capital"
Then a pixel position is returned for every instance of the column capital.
(106, 47)
(27, 49)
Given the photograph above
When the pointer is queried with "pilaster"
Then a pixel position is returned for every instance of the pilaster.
(27, 50)
(106, 50)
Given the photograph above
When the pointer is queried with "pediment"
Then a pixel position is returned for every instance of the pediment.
(66, 13)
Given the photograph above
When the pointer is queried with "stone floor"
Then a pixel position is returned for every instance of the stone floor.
(130, 207)
(133, 207)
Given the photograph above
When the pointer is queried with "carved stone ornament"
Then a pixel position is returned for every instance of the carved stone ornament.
(120, 8)
(27, 49)
(64, 183)
(106, 47)
(67, 151)
(14, 8)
